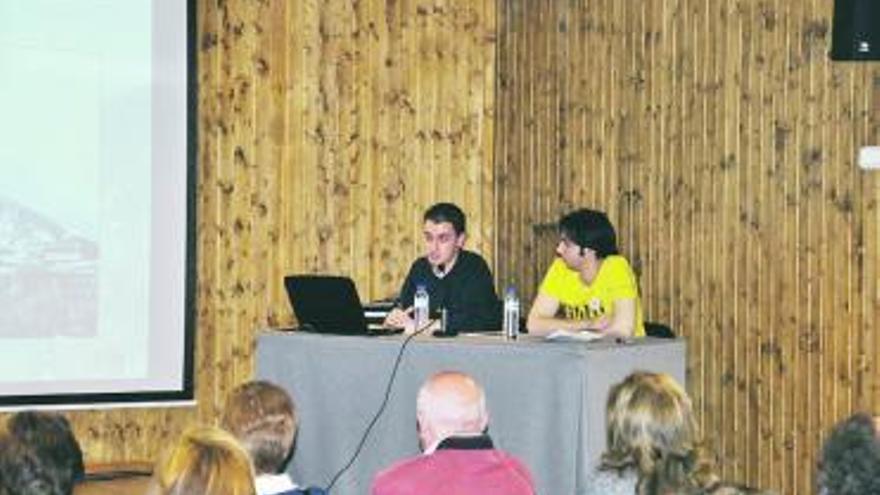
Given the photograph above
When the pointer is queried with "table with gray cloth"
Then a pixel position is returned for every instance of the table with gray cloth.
(546, 399)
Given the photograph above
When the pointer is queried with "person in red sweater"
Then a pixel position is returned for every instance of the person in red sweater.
(458, 456)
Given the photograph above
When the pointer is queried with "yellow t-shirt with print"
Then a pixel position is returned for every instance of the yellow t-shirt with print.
(579, 301)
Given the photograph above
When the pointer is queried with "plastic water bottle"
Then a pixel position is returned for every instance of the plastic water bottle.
(421, 305)
(511, 314)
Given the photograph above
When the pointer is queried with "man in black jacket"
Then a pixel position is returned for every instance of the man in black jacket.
(457, 280)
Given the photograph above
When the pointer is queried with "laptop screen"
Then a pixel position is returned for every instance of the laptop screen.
(326, 304)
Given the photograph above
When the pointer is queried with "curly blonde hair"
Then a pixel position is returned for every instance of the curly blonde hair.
(651, 431)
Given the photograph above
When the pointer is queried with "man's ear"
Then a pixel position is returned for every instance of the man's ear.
(459, 241)
(484, 423)
(423, 423)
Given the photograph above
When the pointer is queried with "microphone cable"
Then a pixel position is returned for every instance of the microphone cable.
(379, 412)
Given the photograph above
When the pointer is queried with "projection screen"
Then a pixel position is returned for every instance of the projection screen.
(97, 160)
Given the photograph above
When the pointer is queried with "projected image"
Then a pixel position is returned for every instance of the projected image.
(48, 281)
(66, 169)
(92, 196)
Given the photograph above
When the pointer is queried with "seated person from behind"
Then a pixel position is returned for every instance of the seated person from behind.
(652, 444)
(50, 437)
(205, 461)
(589, 286)
(24, 471)
(263, 418)
(456, 279)
(849, 462)
(458, 457)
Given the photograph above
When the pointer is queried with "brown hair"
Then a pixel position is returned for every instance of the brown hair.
(263, 418)
(651, 429)
(206, 461)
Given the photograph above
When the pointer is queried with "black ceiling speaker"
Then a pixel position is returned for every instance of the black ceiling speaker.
(856, 33)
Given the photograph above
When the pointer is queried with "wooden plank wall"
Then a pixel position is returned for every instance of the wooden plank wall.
(722, 142)
(332, 125)
(326, 128)
(716, 134)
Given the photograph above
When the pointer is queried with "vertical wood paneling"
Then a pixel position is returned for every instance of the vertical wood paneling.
(325, 128)
(717, 135)
(722, 142)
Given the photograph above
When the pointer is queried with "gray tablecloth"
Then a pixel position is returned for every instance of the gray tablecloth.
(546, 399)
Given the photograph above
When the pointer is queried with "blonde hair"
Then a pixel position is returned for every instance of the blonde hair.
(263, 418)
(651, 430)
(206, 461)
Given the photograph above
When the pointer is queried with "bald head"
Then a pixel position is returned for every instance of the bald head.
(450, 403)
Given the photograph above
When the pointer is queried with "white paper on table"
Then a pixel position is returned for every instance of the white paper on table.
(567, 336)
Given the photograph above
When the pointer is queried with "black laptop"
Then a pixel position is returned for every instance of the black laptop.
(327, 304)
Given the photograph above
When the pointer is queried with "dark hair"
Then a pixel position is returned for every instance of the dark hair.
(447, 212)
(590, 229)
(850, 460)
(51, 438)
(24, 472)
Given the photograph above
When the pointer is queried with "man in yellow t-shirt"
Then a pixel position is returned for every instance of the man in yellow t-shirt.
(589, 286)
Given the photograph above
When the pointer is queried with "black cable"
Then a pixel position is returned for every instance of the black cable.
(378, 414)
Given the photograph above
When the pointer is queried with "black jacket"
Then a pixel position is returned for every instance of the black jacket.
(467, 292)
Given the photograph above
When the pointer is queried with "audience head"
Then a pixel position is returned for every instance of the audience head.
(450, 403)
(849, 463)
(444, 232)
(263, 418)
(651, 429)
(49, 435)
(24, 472)
(206, 461)
(589, 229)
